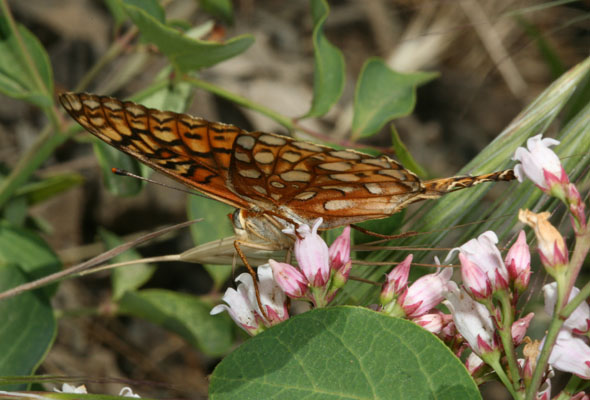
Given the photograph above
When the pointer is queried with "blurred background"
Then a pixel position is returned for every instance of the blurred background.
(493, 56)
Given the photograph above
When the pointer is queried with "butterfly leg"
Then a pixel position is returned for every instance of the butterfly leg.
(382, 236)
(240, 252)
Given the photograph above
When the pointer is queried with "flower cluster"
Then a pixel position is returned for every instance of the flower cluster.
(322, 271)
(483, 316)
(417, 301)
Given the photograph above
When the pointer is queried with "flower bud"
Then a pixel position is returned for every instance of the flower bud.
(289, 278)
(552, 248)
(396, 281)
(475, 280)
(339, 251)
(312, 254)
(426, 293)
(520, 327)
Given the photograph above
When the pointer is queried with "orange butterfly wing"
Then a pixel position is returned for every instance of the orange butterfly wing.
(192, 150)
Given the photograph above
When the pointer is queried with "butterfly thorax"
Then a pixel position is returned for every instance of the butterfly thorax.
(262, 229)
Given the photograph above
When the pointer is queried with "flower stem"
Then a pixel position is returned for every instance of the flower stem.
(495, 364)
(506, 337)
(550, 339)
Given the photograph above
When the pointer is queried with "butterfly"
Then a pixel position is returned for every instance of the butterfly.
(274, 182)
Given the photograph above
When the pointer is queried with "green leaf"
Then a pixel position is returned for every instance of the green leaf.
(184, 53)
(329, 74)
(222, 9)
(117, 11)
(382, 95)
(186, 315)
(342, 353)
(126, 278)
(109, 158)
(29, 251)
(37, 192)
(152, 7)
(404, 156)
(215, 225)
(25, 70)
(174, 97)
(28, 327)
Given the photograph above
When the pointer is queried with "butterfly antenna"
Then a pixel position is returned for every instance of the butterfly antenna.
(122, 172)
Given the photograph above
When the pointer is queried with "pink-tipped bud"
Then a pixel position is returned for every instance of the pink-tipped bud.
(520, 327)
(576, 206)
(289, 278)
(426, 293)
(396, 281)
(552, 248)
(339, 251)
(518, 263)
(431, 322)
(312, 255)
(476, 281)
(473, 363)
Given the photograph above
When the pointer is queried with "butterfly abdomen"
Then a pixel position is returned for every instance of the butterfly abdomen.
(446, 185)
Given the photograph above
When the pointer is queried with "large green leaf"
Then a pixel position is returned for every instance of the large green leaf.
(186, 315)
(382, 95)
(184, 53)
(28, 326)
(342, 353)
(328, 74)
(25, 71)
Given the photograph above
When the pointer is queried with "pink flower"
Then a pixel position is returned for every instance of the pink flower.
(579, 319)
(520, 327)
(289, 278)
(473, 363)
(240, 310)
(540, 164)
(472, 319)
(518, 262)
(571, 354)
(396, 281)
(272, 297)
(426, 293)
(339, 251)
(312, 254)
(484, 253)
(475, 280)
(242, 305)
(432, 322)
(323, 271)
